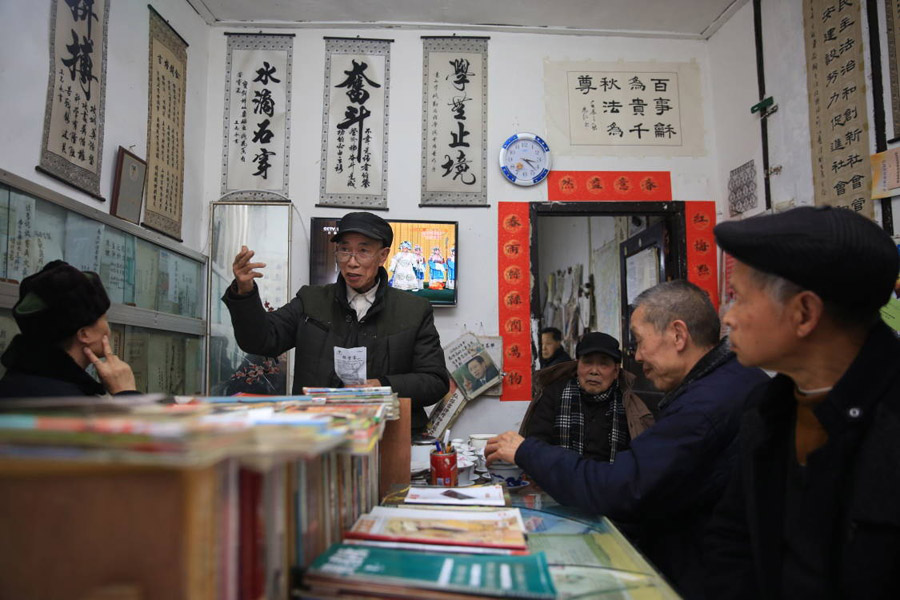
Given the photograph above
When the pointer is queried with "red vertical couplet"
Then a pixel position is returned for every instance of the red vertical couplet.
(514, 297)
(699, 220)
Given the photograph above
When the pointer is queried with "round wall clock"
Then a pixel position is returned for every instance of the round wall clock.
(525, 159)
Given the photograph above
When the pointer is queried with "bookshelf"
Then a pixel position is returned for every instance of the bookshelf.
(156, 285)
(228, 523)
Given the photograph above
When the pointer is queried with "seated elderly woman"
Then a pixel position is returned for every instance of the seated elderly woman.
(61, 314)
(588, 405)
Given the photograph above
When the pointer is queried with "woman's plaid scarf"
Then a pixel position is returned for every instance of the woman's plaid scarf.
(569, 423)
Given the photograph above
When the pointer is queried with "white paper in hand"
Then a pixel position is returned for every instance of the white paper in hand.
(350, 365)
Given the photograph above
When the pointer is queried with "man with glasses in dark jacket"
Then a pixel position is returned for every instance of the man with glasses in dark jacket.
(359, 311)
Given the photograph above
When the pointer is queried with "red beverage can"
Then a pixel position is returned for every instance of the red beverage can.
(444, 471)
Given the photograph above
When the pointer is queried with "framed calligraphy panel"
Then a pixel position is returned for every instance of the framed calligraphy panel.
(72, 147)
(892, 20)
(354, 127)
(641, 109)
(838, 122)
(165, 128)
(257, 136)
(454, 121)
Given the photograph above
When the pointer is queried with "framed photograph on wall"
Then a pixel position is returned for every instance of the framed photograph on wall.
(128, 187)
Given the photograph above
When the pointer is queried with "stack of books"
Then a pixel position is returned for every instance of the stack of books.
(476, 532)
(363, 572)
(428, 551)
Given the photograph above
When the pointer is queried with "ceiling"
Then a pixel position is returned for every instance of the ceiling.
(688, 19)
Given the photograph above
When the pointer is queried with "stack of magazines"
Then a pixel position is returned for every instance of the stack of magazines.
(361, 395)
(345, 571)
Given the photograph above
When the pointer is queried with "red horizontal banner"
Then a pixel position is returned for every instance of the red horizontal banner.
(609, 186)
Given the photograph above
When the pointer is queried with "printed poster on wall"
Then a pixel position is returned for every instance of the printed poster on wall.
(72, 146)
(837, 104)
(742, 197)
(354, 127)
(454, 121)
(632, 109)
(514, 297)
(165, 128)
(256, 148)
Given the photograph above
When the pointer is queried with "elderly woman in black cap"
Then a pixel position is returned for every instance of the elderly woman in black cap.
(61, 314)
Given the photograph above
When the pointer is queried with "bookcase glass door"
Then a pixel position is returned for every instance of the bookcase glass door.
(265, 228)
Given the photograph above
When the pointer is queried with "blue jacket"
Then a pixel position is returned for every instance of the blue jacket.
(670, 479)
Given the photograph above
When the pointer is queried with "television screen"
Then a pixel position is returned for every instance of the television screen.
(422, 261)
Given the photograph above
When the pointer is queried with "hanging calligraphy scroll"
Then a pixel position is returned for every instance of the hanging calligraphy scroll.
(354, 127)
(514, 297)
(255, 153)
(837, 104)
(640, 109)
(165, 128)
(454, 121)
(892, 18)
(72, 147)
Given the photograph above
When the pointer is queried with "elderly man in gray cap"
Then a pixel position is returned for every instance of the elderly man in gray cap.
(813, 509)
(360, 311)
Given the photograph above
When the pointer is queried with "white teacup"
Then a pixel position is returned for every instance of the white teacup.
(479, 440)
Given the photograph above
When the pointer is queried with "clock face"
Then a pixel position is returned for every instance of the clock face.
(525, 159)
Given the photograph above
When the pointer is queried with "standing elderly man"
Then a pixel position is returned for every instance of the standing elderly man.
(667, 483)
(394, 329)
(590, 407)
(813, 510)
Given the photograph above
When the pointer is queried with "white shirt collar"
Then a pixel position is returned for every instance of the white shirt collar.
(361, 302)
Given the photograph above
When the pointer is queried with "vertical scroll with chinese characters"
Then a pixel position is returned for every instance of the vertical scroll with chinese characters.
(454, 121)
(892, 19)
(514, 297)
(256, 149)
(72, 147)
(699, 221)
(837, 104)
(165, 128)
(354, 127)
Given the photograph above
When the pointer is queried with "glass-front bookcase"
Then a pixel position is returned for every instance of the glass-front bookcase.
(265, 228)
(156, 285)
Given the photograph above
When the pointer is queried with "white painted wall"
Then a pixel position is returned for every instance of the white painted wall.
(732, 66)
(570, 241)
(24, 64)
(515, 103)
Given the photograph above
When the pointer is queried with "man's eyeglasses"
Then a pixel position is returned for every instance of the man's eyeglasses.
(364, 256)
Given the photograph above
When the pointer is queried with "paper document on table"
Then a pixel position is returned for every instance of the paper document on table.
(489, 495)
(350, 365)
